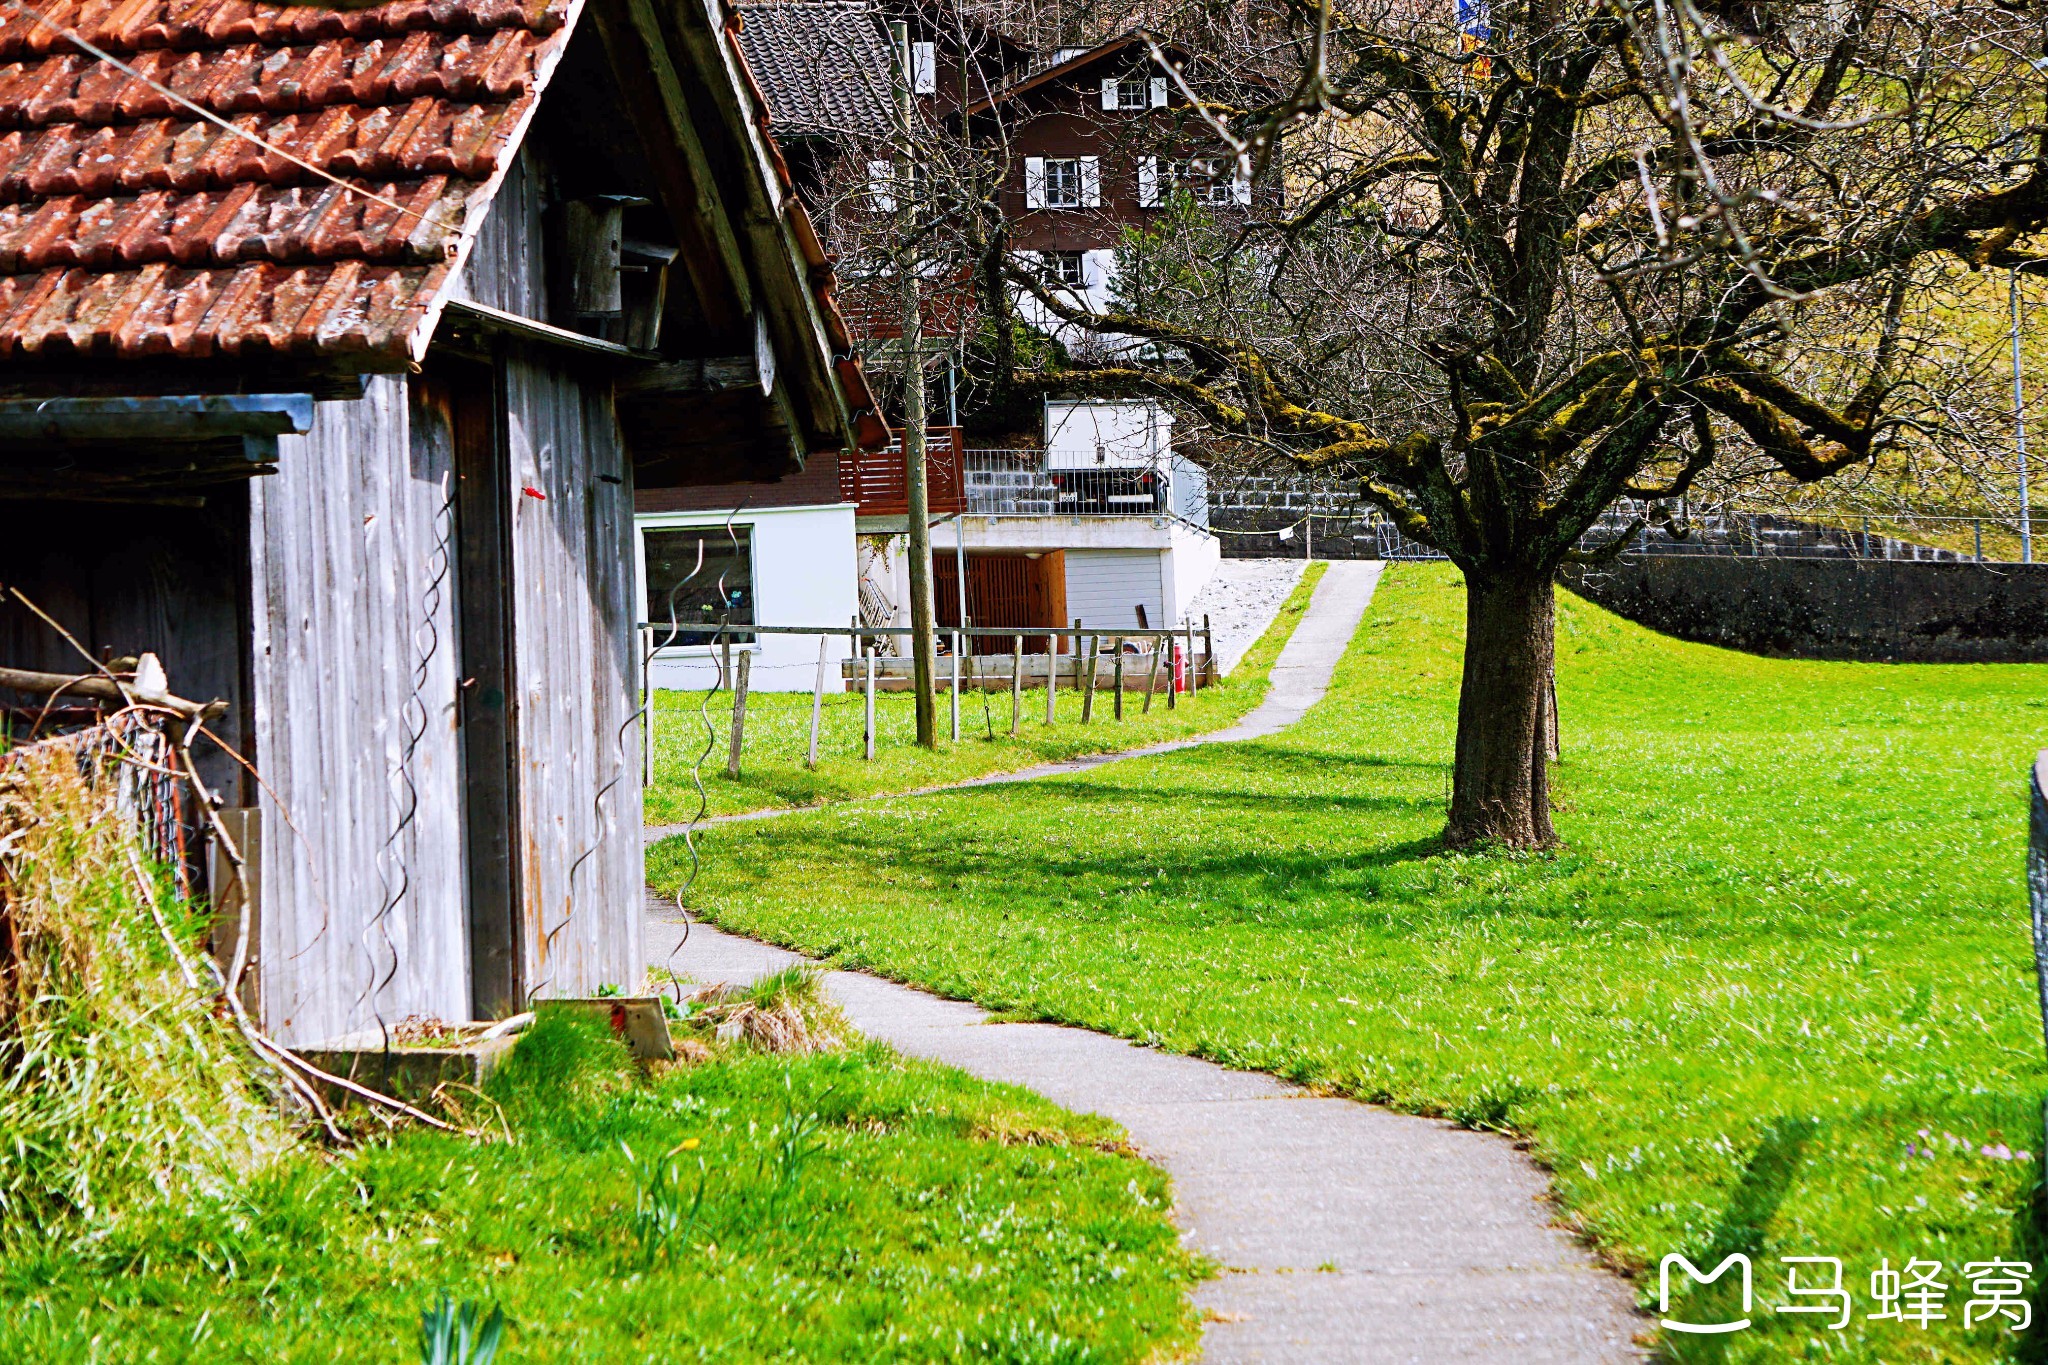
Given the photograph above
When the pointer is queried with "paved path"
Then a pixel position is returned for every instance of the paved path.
(1300, 677)
(1348, 1233)
(1241, 600)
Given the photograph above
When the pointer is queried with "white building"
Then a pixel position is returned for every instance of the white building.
(1106, 525)
(779, 554)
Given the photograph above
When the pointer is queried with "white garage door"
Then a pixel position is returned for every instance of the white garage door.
(1105, 588)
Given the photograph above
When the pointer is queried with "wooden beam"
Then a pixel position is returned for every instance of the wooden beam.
(799, 319)
(476, 317)
(702, 374)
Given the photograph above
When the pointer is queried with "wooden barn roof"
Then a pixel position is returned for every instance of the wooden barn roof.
(132, 226)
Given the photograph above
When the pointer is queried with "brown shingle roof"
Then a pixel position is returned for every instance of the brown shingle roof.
(130, 227)
(824, 68)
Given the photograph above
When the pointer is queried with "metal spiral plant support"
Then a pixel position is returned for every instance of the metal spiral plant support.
(600, 803)
(414, 718)
(697, 764)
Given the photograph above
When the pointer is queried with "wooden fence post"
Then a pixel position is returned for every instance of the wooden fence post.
(1151, 677)
(817, 702)
(1016, 684)
(739, 712)
(1208, 652)
(1088, 696)
(1188, 660)
(1168, 646)
(868, 736)
(1117, 644)
(1052, 675)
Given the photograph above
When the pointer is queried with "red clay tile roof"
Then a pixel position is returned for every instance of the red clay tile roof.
(131, 227)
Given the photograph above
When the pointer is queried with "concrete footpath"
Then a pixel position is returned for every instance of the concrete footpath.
(1347, 1233)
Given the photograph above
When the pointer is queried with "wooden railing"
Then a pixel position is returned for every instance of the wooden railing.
(874, 480)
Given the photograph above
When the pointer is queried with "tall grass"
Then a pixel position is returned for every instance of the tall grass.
(118, 1084)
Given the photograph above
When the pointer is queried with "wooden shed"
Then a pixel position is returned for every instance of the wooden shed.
(332, 347)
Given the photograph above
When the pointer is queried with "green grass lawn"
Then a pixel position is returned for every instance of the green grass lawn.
(1775, 993)
(772, 772)
(855, 1206)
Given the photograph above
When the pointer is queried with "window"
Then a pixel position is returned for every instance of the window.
(1062, 182)
(696, 576)
(1068, 269)
(1133, 92)
(924, 68)
(1206, 180)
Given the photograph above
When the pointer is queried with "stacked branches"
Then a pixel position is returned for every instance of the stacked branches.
(120, 1084)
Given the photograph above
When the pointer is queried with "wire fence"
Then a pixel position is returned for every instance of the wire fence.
(129, 758)
(1332, 528)
(857, 702)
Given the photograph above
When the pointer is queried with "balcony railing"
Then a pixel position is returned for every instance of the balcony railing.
(989, 482)
(875, 481)
(1017, 483)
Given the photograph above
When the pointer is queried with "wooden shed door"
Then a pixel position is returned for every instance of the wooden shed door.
(469, 399)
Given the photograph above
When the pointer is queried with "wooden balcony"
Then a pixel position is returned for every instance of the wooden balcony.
(874, 480)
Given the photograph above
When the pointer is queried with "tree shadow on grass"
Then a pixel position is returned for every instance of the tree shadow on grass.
(1751, 1205)
(1053, 876)
(1182, 796)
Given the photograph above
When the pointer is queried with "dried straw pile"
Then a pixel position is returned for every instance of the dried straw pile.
(784, 1012)
(119, 1082)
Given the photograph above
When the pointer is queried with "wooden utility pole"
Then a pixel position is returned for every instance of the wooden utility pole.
(923, 633)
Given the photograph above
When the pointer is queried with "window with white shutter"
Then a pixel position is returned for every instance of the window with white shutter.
(1125, 92)
(882, 186)
(924, 68)
(1159, 92)
(1241, 185)
(1091, 181)
(1148, 182)
(1034, 182)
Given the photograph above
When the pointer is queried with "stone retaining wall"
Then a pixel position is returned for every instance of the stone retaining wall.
(1895, 612)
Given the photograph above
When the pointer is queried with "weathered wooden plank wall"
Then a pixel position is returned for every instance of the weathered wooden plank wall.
(507, 267)
(578, 750)
(353, 680)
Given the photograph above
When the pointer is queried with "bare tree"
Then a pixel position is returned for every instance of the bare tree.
(1605, 250)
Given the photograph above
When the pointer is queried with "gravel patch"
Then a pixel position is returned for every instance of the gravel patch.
(1242, 600)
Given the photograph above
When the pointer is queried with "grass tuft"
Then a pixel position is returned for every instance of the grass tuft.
(782, 1012)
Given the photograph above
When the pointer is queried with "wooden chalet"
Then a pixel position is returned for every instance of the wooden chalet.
(333, 347)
